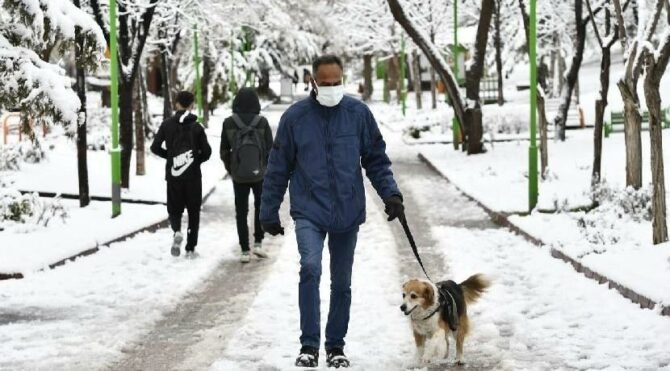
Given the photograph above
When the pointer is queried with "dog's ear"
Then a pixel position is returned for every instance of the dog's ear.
(428, 294)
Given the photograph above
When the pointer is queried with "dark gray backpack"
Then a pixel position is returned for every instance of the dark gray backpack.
(249, 156)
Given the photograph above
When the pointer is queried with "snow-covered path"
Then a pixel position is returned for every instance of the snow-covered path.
(379, 336)
(85, 314)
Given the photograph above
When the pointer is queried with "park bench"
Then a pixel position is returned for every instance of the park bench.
(616, 123)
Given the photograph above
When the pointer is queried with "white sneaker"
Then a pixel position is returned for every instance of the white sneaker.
(192, 255)
(176, 243)
(259, 251)
(245, 257)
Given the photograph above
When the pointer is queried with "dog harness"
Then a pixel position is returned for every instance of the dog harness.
(451, 303)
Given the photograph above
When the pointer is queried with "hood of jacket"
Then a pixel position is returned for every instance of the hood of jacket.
(186, 117)
(246, 101)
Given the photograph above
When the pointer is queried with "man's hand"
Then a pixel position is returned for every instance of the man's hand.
(273, 228)
(394, 208)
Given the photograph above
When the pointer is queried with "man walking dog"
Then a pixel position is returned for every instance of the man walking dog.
(322, 144)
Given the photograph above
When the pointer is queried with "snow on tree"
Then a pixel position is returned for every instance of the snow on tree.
(134, 21)
(31, 33)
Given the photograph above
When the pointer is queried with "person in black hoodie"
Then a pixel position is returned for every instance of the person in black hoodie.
(246, 115)
(186, 148)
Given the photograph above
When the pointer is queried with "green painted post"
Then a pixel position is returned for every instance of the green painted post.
(114, 76)
(532, 149)
(198, 81)
(403, 95)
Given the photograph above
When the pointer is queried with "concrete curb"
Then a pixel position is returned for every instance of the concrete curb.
(164, 223)
(502, 219)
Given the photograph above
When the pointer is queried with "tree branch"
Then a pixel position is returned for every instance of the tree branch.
(99, 19)
(593, 22)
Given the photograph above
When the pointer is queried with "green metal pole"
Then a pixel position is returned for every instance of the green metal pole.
(532, 149)
(403, 96)
(116, 150)
(198, 81)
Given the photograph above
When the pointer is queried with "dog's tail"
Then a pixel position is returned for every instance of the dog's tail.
(474, 287)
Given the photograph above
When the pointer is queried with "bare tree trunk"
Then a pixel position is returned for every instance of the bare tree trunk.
(498, 44)
(601, 105)
(632, 136)
(474, 128)
(165, 76)
(82, 155)
(435, 60)
(139, 126)
(433, 89)
(367, 76)
(126, 128)
(652, 82)
(206, 79)
(416, 71)
(433, 80)
(573, 72)
(398, 85)
(544, 149)
(387, 83)
(653, 98)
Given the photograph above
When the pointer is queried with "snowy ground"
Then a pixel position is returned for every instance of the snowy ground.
(82, 315)
(26, 248)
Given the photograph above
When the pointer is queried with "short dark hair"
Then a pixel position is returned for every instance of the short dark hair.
(326, 59)
(185, 98)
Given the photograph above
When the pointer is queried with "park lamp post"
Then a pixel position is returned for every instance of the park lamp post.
(532, 149)
(114, 91)
(198, 82)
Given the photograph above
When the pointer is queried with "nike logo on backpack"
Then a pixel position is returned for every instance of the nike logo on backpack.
(181, 162)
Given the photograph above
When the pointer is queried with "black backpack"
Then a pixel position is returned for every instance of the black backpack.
(183, 151)
(249, 155)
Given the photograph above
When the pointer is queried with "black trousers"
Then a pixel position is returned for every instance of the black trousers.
(242, 210)
(185, 194)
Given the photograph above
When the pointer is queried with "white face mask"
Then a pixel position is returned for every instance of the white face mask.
(330, 96)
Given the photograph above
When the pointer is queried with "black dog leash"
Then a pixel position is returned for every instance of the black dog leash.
(408, 233)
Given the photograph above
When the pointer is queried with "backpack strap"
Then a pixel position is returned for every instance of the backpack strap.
(255, 121)
(238, 121)
(241, 125)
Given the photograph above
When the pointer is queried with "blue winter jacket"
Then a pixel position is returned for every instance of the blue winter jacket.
(318, 153)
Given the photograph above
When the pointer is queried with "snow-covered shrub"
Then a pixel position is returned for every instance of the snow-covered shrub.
(606, 224)
(29, 208)
(12, 156)
(629, 202)
(9, 159)
(505, 120)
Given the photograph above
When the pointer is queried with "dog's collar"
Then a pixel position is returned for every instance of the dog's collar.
(433, 312)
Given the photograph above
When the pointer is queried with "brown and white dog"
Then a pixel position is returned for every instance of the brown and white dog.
(438, 310)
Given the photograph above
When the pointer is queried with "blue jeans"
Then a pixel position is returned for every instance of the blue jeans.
(310, 245)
